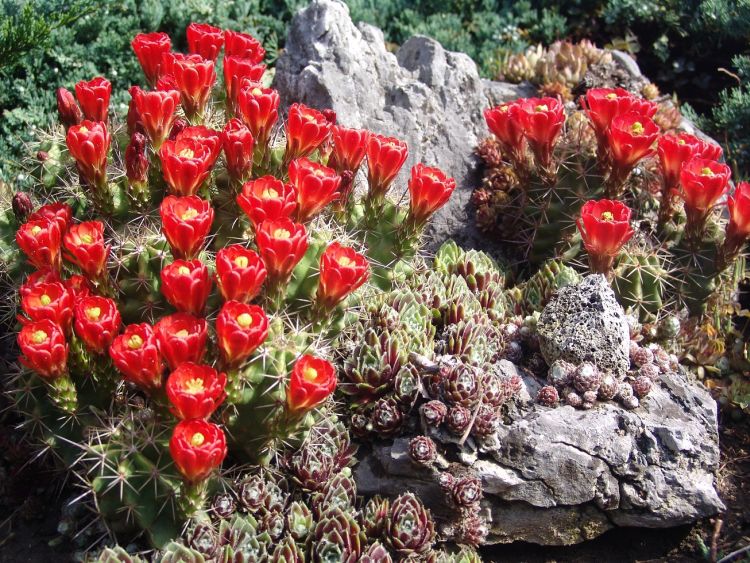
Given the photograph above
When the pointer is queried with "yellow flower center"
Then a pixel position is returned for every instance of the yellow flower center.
(45, 299)
(245, 320)
(503, 109)
(541, 107)
(35, 230)
(611, 96)
(637, 128)
(39, 336)
(269, 193)
(241, 261)
(189, 213)
(183, 271)
(681, 142)
(87, 239)
(193, 386)
(93, 313)
(607, 216)
(281, 234)
(182, 333)
(187, 153)
(197, 439)
(344, 261)
(310, 373)
(83, 129)
(135, 342)
(256, 91)
(707, 171)
(309, 117)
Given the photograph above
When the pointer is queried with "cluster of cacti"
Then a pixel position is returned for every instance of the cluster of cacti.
(231, 273)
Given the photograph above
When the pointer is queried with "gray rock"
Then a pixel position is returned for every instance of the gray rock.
(584, 322)
(429, 97)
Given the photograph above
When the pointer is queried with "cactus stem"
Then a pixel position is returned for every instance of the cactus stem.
(63, 393)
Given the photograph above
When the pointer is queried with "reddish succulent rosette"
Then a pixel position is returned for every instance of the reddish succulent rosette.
(150, 48)
(240, 273)
(88, 144)
(181, 338)
(316, 186)
(602, 105)
(205, 40)
(385, 157)
(186, 222)
(195, 391)
(349, 148)
(267, 199)
(342, 271)
(703, 182)
(605, 227)
(197, 448)
(84, 243)
(504, 121)
(186, 285)
(59, 212)
(238, 144)
(194, 76)
(188, 159)
(258, 107)
(40, 241)
(312, 381)
(135, 353)
(67, 108)
(240, 329)
(243, 45)
(93, 96)
(237, 71)
(429, 189)
(48, 300)
(281, 244)
(96, 322)
(156, 112)
(630, 139)
(306, 129)
(542, 120)
(739, 211)
(43, 348)
(676, 150)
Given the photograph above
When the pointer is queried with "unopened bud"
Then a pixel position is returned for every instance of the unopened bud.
(22, 206)
(67, 108)
(177, 127)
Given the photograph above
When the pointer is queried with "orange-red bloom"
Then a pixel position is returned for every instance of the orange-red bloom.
(205, 40)
(605, 227)
(631, 137)
(312, 381)
(40, 240)
(676, 150)
(385, 157)
(85, 247)
(281, 244)
(94, 98)
(45, 275)
(430, 189)
(194, 76)
(96, 322)
(504, 121)
(48, 300)
(342, 271)
(243, 45)
(88, 144)
(238, 71)
(197, 448)
(258, 107)
(238, 144)
(181, 338)
(703, 182)
(349, 148)
(316, 187)
(156, 112)
(542, 120)
(195, 391)
(739, 211)
(188, 159)
(267, 199)
(59, 212)
(43, 348)
(150, 48)
(602, 105)
(79, 286)
(186, 285)
(240, 329)
(67, 108)
(185, 222)
(306, 129)
(136, 355)
(240, 273)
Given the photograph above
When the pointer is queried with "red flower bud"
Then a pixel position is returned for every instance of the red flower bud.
(385, 157)
(187, 161)
(40, 240)
(312, 381)
(703, 182)
(542, 119)
(342, 271)
(238, 71)
(349, 147)
(602, 105)
(675, 150)
(178, 127)
(505, 122)
(133, 118)
(316, 187)
(136, 355)
(240, 273)
(137, 161)
(186, 221)
(631, 137)
(45, 275)
(267, 199)
(186, 285)
(88, 144)
(429, 189)
(156, 112)
(195, 76)
(86, 249)
(94, 98)
(240, 329)
(48, 300)
(739, 212)
(97, 322)
(195, 391)
(205, 40)
(181, 338)
(306, 129)
(605, 227)
(150, 48)
(43, 348)
(198, 448)
(22, 206)
(281, 244)
(258, 107)
(238, 145)
(59, 212)
(243, 45)
(67, 108)
(79, 286)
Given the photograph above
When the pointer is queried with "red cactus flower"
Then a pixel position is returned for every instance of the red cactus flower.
(85, 247)
(185, 222)
(181, 338)
(67, 108)
(48, 300)
(281, 244)
(312, 381)
(136, 355)
(40, 240)
(137, 162)
(186, 285)
(258, 107)
(240, 273)
(96, 322)
(79, 286)
(542, 120)
(195, 391)
(94, 98)
(197, 448)
(349, 148)
(238, 145)
(430, 189)
(675, 150)
(156, 112)
(240, 329)
(267, 199)
(702, 183)
(243, 45)
(187, 161)
(88, 144)
(43, 348)
(605, 227)
(602, 105)
(306, 129)
(631, 137)
(342, 271)
(316, 187)
(45, 275)
(150, 48)
(59, 212)
(385, 157)
(194, 76)
(739, 211)
(205, 40)
(237, 71)
(505, 122)
(166, 82)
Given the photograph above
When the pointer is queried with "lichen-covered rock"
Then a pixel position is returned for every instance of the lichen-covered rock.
(585, 323)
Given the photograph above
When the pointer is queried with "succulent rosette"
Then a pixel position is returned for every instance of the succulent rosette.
(181, 338)
(311, 382)
(409, 528)
(96, 322)
(240, 329)
(186, 284)
(240, 273)
(195, 391)
(135, 353)
(267, 199)
(198, 448)
(44, 348)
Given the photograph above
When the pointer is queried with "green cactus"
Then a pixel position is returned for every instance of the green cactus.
(641, 282)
